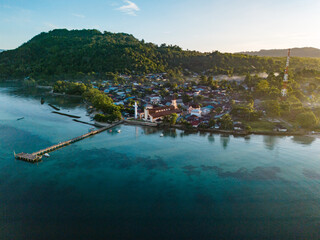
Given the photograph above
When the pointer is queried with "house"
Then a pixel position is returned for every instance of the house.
(122, 94)
(194, 109)
(119, 103)
(238, 126)
(196, 93)
(154, 99)
(280, 128)
(206, 110)
(195, 123)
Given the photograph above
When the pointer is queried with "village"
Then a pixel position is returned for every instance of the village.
(157, 101)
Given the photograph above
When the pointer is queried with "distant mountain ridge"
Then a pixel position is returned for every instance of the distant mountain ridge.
(308, 52)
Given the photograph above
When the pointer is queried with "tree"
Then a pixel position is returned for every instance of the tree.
(274, 92)
(248, 128)
(203, 80)
(262, 88)
(218, 110)
(186, 98)
(307, 120)
(226, 122)
(174, 85)
(173, 118)
(246, 112)
(248, 80)
(272, 108)
(212, 123)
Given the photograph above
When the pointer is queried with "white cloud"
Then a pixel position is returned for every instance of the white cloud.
(78, 15)
(129, 8)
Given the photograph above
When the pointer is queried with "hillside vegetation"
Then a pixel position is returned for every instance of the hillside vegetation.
(76, 54)
(80, 52)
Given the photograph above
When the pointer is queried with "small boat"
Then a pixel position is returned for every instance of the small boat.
(20, 118)
(161, 135)
(46, 155)
(110, 130)
(119, 131)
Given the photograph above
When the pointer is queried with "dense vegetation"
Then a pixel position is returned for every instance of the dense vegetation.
(299, 109)
(101, 102)
(82, 53)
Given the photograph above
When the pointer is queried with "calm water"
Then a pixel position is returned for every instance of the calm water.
(137, 185)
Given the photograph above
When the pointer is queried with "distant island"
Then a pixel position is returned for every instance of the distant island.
(307, 52)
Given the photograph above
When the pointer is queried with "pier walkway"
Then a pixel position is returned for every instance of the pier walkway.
(37, 156)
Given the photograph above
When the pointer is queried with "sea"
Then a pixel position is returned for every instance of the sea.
(134, 184)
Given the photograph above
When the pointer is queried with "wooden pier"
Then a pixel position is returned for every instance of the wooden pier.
(37, 156)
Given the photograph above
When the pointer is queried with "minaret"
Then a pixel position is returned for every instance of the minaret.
(174, 103)
(135, 110)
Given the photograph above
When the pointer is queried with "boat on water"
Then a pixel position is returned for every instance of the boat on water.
(46, 155)
(20, 118)
(119, 131)
(161, 135)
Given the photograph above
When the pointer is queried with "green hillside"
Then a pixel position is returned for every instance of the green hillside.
(77, 53)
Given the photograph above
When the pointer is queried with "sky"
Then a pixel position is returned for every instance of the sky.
(202, 25)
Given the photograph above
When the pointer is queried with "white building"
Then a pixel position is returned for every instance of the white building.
(151, 114)
(195, 110)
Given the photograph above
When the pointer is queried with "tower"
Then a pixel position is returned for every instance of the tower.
(174, 103)
(135, 110)
(284, 90)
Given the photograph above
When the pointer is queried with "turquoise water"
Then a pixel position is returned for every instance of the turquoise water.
(137, 185)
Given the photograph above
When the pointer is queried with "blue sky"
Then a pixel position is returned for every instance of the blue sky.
(204, 25)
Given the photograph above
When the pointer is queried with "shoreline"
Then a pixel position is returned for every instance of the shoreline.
(217, 131)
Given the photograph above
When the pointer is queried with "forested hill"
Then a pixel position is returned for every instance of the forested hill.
(295, 52)
(76, 53)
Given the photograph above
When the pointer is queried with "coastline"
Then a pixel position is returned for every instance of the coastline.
(229, 132)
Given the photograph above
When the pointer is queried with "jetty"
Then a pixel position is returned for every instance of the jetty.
(65, 114)
(54, 107)
(91, 124)
(37, 156)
